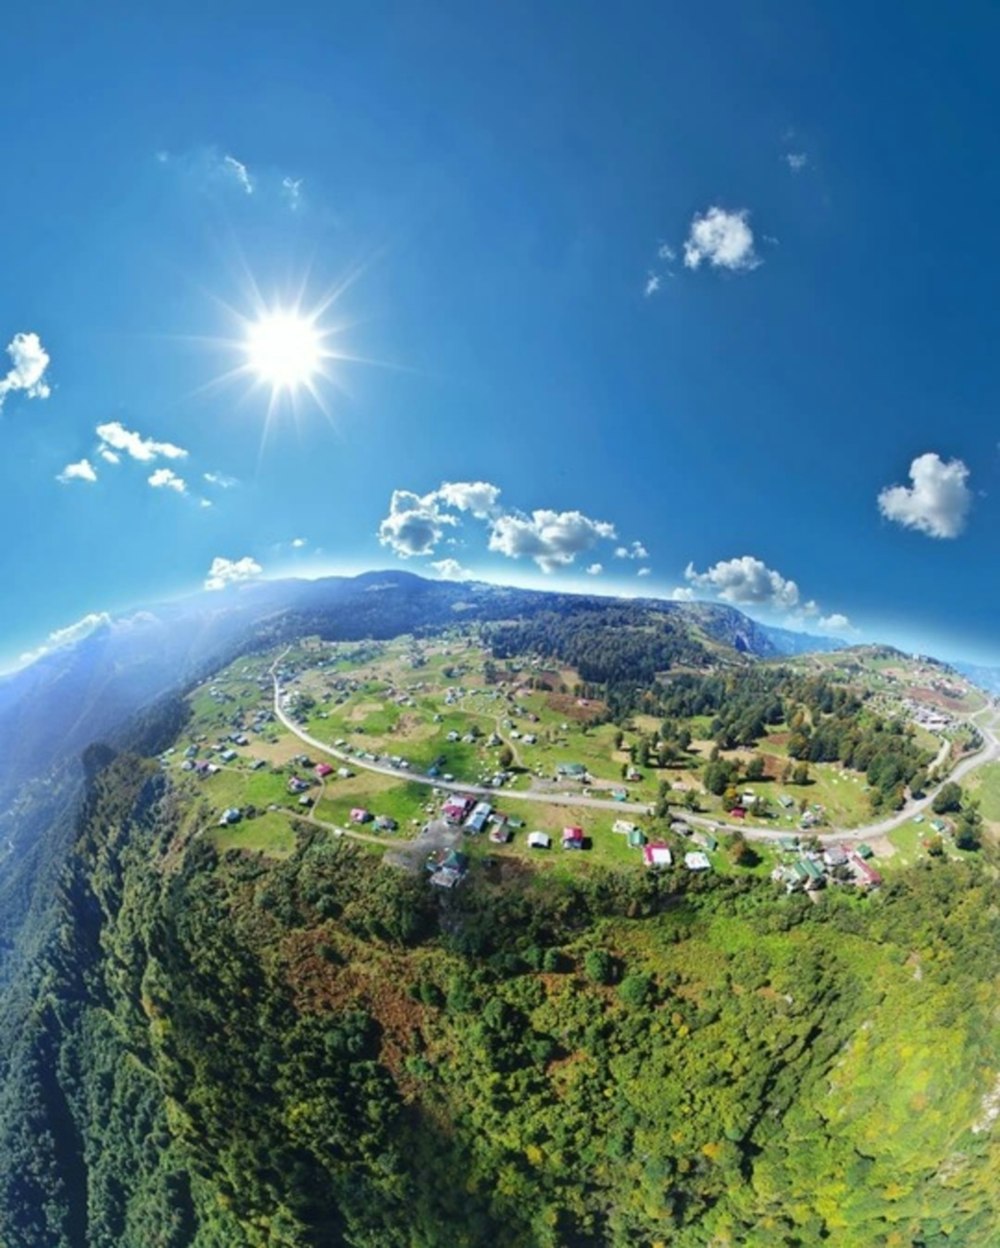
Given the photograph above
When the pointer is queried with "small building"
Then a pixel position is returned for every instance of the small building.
(737, 812)
(570, 771)
(539, 840)
(622, 826)
(232, 814)
(323, 770)
(619, 795)
(814, 873)
(456, 808)
(345, 773)
(572, 838)
(360, 815)
(229, 756)
(297, 785)
(447, 869)
(697, 861)
(786, 802)
(680, 828)
(657, 855)
(706, 840)
(865, 851)
(636, 838)
(500, 832)
(385, 823)
(476, 821)
(835, 856)
(789, 844)
(864, 872)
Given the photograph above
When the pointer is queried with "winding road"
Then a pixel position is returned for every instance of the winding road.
(989, 752)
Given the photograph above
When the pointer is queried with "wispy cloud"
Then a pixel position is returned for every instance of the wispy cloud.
(653, 283)
(29, 364)
(722, 239)
(238, 170)
(83, 470)
(595, 569)
(796, 161)
(220, 480)
(225, 572)
(69, 635)
(938, 501)
(644, 572)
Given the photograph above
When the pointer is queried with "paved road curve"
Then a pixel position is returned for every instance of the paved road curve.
(988, 753)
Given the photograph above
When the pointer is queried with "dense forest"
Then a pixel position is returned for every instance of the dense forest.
(226, 1050)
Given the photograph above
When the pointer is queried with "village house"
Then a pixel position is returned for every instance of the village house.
(657, 855)
(572, 838)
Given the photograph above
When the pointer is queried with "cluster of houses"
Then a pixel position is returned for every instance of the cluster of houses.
(657, 855)
(809, 870)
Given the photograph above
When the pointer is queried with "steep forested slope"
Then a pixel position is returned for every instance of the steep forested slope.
(230, 1050)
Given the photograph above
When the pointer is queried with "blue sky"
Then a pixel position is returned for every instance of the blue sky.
(700, 297)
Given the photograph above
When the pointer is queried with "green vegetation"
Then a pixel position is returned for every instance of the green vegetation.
(317, 1050)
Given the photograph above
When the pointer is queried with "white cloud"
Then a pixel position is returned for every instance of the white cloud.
(414, 525)
(681, 593)
(291, 191)
(938, 501)
(83, 470)
(298, 543)
(796, 161)
(552, 538)
(635, 550)
(82, 628)
(29, 361)
(653, 284)
(451, 570)
(220, 479)
(108, 455)
(835, 623)
(113, 434)
(722, 238)
(70, 634)
(595, 569)
(478, 497)
(746, 581)
(644, 572)
(666, 252)
(167, 479)
(238, 170)
(225, 572)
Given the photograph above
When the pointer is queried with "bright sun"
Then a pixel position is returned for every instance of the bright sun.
(284, 350)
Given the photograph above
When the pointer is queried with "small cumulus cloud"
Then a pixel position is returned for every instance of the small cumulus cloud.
(653, 284)
(722, 239)
(835, 623)
(29, 364)
(82, 470)
(451, 570)
(167, 479)
(796, 161)
(595, 569)
(745, 581)
(116, 438)
(418, 523)
(108, 455)
(644, 572)
(298, 543)
(635, 550)
(478, 497)
(415, 524)
(681, 593)
(936, 503)
(224, 572)
(553, 539)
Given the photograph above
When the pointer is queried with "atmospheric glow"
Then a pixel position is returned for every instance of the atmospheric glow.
(284, 350)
